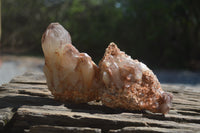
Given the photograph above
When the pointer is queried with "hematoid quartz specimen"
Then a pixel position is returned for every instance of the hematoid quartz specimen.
(71, 76)
(130, 84)
(119, 81)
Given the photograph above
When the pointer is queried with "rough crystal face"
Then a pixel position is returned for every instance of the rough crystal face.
(130, 84)
(71, 75)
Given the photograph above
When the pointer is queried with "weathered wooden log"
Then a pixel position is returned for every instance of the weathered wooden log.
(26, 105)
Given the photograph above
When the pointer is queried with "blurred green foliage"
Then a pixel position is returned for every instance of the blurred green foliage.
(161, 33)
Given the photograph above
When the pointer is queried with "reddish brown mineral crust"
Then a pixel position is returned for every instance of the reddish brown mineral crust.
(130, 84)
(71, 76)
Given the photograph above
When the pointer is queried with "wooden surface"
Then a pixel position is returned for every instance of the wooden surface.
(26, 105)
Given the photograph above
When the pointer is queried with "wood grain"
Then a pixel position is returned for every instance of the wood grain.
(26, 105)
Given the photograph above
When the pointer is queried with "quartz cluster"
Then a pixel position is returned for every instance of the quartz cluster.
(71, 75)
(119, 81)
(130, 84)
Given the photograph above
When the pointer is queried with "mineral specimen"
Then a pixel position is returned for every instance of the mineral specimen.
(120, 82)
(130, 84)
(71, 76)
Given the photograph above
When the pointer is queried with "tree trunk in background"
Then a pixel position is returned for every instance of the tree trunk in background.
(0, 21)
(0, 29)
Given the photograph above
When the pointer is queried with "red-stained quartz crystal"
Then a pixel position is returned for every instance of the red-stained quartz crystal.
(71, 76)
(130, 84)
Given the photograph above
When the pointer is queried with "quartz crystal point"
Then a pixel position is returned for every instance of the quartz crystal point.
(71, 76)
(130, 84)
